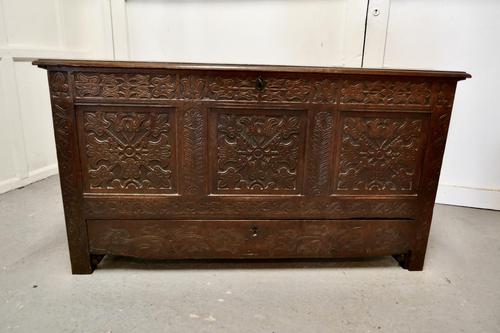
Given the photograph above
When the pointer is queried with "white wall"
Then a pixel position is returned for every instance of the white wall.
(29, 30)
(452, 35)
(286, 32)
(321, 32)
(455, 35)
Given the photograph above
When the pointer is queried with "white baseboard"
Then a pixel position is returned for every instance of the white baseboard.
(468, 196)
(33, 176)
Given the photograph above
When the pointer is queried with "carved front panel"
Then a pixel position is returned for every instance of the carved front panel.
(379, 155)
(128, 149)
(257, 151)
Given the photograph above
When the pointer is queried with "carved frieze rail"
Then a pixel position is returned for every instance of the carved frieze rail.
(129, 86)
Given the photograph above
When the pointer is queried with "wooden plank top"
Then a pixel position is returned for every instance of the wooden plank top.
(45, 63)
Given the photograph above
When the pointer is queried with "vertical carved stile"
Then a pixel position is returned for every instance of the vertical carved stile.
(67, 155)
(194, 137)
(319, 157)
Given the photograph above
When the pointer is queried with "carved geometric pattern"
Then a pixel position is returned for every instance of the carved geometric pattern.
(257, 153)
(388, 92)
(125, 86)
(128, 151)
(379, 155)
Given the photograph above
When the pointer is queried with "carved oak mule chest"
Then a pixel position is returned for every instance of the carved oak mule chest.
(198, 161)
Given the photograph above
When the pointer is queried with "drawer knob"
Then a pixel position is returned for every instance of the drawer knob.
(260, 84)
(254, 231)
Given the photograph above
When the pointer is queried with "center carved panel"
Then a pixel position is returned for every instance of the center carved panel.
(258, 152)
(129, 151)
(379, 155)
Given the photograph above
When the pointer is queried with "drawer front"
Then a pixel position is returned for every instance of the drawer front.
(185, 239)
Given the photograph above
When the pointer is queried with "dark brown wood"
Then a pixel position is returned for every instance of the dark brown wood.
(191, 161)
(257, 239)
(45, 63)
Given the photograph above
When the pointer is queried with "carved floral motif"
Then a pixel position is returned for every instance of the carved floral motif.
(124, 86)
(379, 154)
(257, 153)
(194, 87)
(386, 92)
(275, 90)
(128, 151)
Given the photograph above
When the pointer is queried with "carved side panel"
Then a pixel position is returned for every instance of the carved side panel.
(67, 155)
(257, 151)
(194, 165)
(379, 155)
(440, 119)
(129, 149)
(125, 86)
(386, 92)
(319, 154)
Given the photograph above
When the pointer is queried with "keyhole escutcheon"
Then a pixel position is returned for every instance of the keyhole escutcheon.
(254, 230)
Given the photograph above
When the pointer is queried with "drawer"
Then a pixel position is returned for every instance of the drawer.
(233, 239)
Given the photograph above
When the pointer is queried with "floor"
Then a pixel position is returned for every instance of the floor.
(458, 291)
